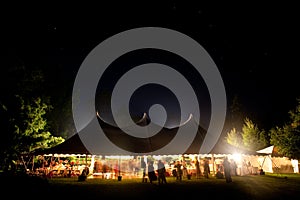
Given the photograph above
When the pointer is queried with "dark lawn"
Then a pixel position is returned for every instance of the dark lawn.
(243, 187)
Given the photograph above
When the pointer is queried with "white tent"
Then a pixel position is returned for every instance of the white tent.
(269, 161)
(268, 150)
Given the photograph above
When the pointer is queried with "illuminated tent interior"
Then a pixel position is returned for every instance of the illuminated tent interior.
(248, 162)
(272, 161)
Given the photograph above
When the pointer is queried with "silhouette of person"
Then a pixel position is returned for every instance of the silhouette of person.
(206, 169)
(233, 166)
(85, 172)
(227, 170)
(143, 166)
(179, 171)
(161, 172)
(151, 173)
(197, 166)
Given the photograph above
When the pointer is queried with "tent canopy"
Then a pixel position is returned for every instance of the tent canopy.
(271, 150)
(74, 145)
(267, 150)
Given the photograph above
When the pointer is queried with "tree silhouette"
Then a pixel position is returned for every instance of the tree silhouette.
(287, 138)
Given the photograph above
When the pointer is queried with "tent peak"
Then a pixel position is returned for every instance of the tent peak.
(267, 150)
(189, 119)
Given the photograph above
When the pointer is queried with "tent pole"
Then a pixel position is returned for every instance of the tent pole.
(263, 163)
(32, 163)
(213, 163)
(119, 177)
(119, 166)
(276, 167)
(51, 160)
(25, 165)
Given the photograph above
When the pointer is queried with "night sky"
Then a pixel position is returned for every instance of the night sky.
(254, 46)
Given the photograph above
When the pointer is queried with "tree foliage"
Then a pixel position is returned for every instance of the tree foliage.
(32, 128)
(234, 138)
(250, 137)
(23, 113)
(287, 138)
(253, 137)
(26, 129)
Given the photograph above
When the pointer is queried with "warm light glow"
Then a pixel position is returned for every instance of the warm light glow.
(121, 157)
(157, 157)
(236, 157)
(295, 165)
(192, 157)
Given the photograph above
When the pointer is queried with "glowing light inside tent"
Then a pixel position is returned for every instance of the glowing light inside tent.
(295, 165)
(157, 157)
(237, 157)
(120, 157)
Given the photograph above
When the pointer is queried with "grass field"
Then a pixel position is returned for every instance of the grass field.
(269, 186)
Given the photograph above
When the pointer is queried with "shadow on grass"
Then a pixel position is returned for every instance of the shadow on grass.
(242, 187)
(134, 188)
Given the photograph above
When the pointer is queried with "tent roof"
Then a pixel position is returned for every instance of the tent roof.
(267, 150)
(74, 145)
(270, 150)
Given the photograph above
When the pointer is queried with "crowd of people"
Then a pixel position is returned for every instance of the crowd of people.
(150, 169)
(179, 168)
